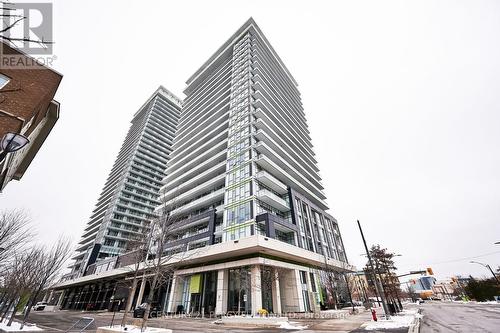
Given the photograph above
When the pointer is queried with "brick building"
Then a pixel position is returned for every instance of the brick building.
(27, 107)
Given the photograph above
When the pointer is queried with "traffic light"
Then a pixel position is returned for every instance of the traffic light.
(429, 271)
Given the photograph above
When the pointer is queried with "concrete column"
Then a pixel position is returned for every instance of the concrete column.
(256, 289)
(175, 297)
(141, 292)
(276, 292)
(290, 291)
(171, 296)
(45, 296)
(298, 285)
(60, 300)
(222, 290)
(312, 297)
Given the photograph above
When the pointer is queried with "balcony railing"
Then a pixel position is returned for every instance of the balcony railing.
(269, 180)
(272, 199)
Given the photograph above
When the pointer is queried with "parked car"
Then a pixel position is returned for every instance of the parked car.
(139, 311)
(349, 304)
(40, 306)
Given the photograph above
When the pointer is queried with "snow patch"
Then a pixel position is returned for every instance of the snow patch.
(16, 327)
(489, 302)
(394, 322)
(290, 325)
(131, 329)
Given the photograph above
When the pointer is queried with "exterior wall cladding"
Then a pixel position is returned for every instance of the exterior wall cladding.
(130, 194)
(243, 152)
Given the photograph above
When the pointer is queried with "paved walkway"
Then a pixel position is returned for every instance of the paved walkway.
(347, 324)
(62, 320)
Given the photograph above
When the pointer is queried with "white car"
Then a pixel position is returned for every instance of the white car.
(39, 306)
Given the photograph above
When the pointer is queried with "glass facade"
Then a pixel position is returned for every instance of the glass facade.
(239, 199)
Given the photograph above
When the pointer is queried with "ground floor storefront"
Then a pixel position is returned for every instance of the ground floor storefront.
(246, 286)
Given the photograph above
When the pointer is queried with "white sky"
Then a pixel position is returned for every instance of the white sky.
(401, 99)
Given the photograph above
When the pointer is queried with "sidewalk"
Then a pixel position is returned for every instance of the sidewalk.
(404, 321)
(346, 324)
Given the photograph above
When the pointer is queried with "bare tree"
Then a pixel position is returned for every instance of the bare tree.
(50, 264)
(164, 257)
(137, 250)
(21, 276)
(163, 261)
(14, 234)
(329, 276)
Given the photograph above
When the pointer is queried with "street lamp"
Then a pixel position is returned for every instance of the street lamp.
(12, 142)
(487, 266)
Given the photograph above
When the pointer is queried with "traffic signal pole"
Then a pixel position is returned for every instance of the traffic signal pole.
(378, 285)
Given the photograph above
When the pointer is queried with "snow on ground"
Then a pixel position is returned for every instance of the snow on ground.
(131, 329)
(333, 311)
(15, 327)
(404, 319)
(489, 302)
(290, 325)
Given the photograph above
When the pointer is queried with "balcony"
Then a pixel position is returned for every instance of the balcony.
(219, 210)
(295, 157)
(197, 166)
(193, 233)
(85, 246)
(272, 199)
(199, 189)
(206, 134)
(278, 172)
(269, 126)
(200, 146)
(262, 148)
(201, 202)
(195, 181)
(270, 181)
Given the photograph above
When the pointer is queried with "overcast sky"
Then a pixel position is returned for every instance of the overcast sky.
(402, 100)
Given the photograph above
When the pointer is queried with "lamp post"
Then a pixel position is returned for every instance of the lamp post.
(488, 267)
(12, 142)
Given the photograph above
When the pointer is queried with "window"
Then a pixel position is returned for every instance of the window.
(3, 80)
(313, 283)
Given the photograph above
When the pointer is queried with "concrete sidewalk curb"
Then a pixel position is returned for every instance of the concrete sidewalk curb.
(415, 326)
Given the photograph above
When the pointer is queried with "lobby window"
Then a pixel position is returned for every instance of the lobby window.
(313, 283)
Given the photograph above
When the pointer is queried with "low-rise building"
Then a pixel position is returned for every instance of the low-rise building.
(27, 107)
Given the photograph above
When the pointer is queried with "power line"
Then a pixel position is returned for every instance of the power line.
(457, 260)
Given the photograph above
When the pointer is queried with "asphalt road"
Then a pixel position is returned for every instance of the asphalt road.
(457, 317)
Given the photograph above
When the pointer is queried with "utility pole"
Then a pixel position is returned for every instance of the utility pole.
(378, 286)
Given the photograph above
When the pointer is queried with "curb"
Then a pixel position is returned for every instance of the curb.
(415, 326)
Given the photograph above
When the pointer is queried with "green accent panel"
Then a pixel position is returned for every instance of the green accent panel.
(320, 290)
(195, 285)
